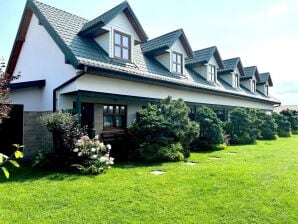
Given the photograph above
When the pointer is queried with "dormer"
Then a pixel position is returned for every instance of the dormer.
(206, 62)
(264, 83)
(171, 50)
(232, 72)
(250, 79)
(116, 31)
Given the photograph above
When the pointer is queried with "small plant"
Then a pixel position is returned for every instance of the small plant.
(4, 159)
(93, 157)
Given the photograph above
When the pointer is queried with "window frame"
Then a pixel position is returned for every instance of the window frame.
(254, 85)
(176, 64)
(266, 89)
(121, 46)
(212, 76)
(114, 115)
(236, 77)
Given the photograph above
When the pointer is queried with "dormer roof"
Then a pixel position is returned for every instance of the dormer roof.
(93, 27)
(250, 72)
(162, 43)
(203, 56)
(264, 78)
(230, 65)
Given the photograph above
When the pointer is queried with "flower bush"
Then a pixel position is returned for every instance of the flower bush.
(93, 156)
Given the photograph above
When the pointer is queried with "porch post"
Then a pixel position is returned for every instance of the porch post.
(78, 106)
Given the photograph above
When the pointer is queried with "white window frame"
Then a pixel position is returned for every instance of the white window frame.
(212, 76)
(266, 86)
(236, 83)
(253, 86)
(176, 64)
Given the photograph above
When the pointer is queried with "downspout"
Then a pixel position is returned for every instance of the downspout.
(79, 74)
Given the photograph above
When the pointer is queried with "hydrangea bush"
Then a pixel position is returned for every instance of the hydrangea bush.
(93, 156)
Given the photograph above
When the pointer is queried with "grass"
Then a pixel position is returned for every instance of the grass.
(254, 184)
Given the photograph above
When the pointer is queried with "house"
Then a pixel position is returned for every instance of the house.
(107, 69)
(286, 107)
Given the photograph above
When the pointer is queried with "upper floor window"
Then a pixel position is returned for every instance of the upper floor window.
(177, 63)
(212, 72)
(236, 80)
(122, 46)
(253, 86)
(266, 90)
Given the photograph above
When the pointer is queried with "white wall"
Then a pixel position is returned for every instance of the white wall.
(107, 85)
(104, 41)
(40, 58)
(247, 84)
(228, 78)
(202, 70)
(31, 98)
(261, 88)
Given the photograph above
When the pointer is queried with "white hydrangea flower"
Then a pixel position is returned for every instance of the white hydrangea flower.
(76, 150)
(80, 154)
(102, 159)
(93, 149)
(94, 156)
(109, 146)
(96, 137)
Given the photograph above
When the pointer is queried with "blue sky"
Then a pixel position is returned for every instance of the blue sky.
(261, 32)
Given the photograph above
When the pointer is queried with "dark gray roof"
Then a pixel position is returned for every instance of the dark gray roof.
(81, 51)
(105, 18)
(230, 65)
(164, 42)
(251, 72)
(264, 77)
(201, 57)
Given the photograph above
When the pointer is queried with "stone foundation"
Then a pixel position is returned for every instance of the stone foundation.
(36, 137)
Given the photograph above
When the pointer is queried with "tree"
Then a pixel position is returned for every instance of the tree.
(5, 80)
(211, 132)
(292, 117)
(241, 127)
(268, 127)
(283, 125)
(164, 131)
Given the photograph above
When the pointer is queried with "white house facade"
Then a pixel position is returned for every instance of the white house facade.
(107, 69)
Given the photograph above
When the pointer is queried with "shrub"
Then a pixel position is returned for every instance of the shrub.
(4, 159)
(211, 132)
(162, 125)
(157, 153)
(292, 117)
(65, 130)
(241, 127)
(93, 157)
(283, 125)
(268, 127)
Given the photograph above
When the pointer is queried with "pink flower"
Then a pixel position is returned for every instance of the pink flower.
(85, 137)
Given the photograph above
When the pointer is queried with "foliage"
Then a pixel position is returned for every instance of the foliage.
(268, 127)
(211, 131)
(164, 124)
(241, 127)
(5, 80)
(65, 130)
(4, 159)
(283, 125)
(292, 117)
(93, 157)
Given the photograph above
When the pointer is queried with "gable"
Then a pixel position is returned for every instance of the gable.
(178, 47)
(122, 24)
(213, 61)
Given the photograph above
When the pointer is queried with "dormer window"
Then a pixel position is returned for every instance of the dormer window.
(236, 80)
(212, 73)
(266, 90)
(253, 86)
(177, 63)
(122, 46)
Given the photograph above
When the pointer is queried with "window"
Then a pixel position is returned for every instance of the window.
(253, 86)
(266, 90)
(236, 80)
(177, 63)
(212, 73)
(121, 45)
(114, 116)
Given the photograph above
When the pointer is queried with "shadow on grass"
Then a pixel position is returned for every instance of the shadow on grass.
(27, 173)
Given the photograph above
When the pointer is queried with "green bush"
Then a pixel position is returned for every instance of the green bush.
(283, 125)
(292, 117)
(65, 129)
(211, 131)
(161, 125)
(268, 127)
(157, 153)
(241, 127)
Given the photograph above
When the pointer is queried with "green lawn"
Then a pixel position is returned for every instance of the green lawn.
(257, 184)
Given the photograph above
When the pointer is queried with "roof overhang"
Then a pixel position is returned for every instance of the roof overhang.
(29, 84)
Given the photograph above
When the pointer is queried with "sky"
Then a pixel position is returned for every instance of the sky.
(261, 32)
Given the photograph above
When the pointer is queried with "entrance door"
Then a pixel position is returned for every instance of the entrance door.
(87, 118)
(11, 129)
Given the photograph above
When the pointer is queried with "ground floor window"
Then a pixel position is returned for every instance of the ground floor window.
(114, 116)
